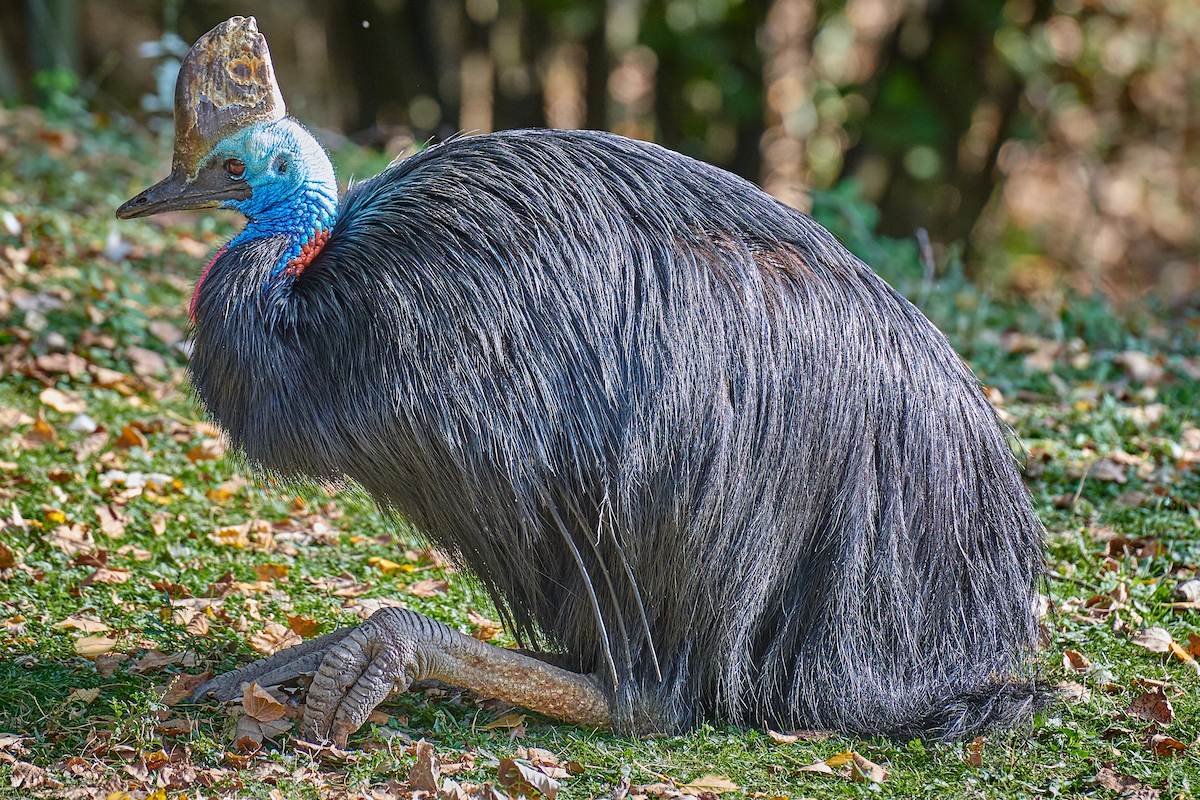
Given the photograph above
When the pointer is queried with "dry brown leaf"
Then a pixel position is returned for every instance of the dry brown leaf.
(1189, 590)
(1075, 692)
(145, 362)
(42, 433)
(429, 587)
(520, 779)
(304, 626)
(85, 696)
(1115, 782)
(1106, 469)
(232, 536)
(974, 755)
(208, 450)
(483, 628)
(176, 726)
(82, 624)
(261, 705)
(250, 732)
(1152, 706)
(227, 489)
(181, 686)
(1155, 639)
(92, 646)
(167, 333)
(109, 575)
(130, 437)
(1164, 745)
(12, 417)
(271, 572)
(1076, 662)
(509, 720)
(156, 659)
(27, 776)
(425, 775)
(863, 770)
(158, 524)
(63, 402)
(72, 539)
(8, 559)
(112, 521)
(717, 784)
(273, 638)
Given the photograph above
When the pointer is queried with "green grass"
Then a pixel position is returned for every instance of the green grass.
(61, 178)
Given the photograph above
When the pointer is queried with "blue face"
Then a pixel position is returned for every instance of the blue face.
(294, 190)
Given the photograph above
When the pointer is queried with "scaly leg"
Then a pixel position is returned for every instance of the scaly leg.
(358, 668)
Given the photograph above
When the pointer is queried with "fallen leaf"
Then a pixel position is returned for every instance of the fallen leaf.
(1076, 662)
(1115, 782)
(167, 333)
(112, 521)
(130, 437)
(261, 705)
(176, 726)
(1152, 706)
(232, 536)
(109, 575)
(42, 433)
(425, 775)
(81, 624)
(1155, 639)
(85, 696)
(92, 646)
(429, 587)
(974, 752)
(1074, 691)
(208, 450)
(520, 779)
(182, 686)
(27, 776)
(1164, 745)
(1108, 470)
(483, 628)
(510, 720)
(156, 659)
(273, 638)
(716, 784)
(1189, 590)
(63, 402)
(863, 770)
(145, 362)
(304, 626)
(271, 572)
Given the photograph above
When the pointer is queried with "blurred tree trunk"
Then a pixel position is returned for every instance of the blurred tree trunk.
(786, 53)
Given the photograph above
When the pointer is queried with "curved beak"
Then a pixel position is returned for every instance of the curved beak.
(209, 189)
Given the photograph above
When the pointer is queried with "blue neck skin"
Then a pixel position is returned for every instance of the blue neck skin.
(294, 190)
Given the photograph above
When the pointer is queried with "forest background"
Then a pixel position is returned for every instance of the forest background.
(1053, 144)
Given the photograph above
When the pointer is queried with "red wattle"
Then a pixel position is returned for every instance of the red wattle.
(199, 283)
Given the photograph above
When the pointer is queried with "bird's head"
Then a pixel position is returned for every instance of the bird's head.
(234, 145)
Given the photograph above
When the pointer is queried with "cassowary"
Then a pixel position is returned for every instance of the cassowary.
(707, 464)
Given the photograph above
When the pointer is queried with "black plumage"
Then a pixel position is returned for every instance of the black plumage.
(671, 424)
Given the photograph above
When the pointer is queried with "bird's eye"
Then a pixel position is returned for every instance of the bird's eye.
(235, 167)
(281, 165)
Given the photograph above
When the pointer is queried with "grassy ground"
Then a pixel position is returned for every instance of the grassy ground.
(134, 550)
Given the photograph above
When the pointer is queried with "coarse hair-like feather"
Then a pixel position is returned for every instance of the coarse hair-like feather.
(681, 435)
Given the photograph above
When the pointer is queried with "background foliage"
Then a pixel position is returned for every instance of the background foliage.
(1057, 139)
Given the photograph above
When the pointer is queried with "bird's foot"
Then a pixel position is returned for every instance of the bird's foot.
(355, 669)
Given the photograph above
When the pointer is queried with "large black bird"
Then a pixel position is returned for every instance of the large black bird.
(706, 462)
